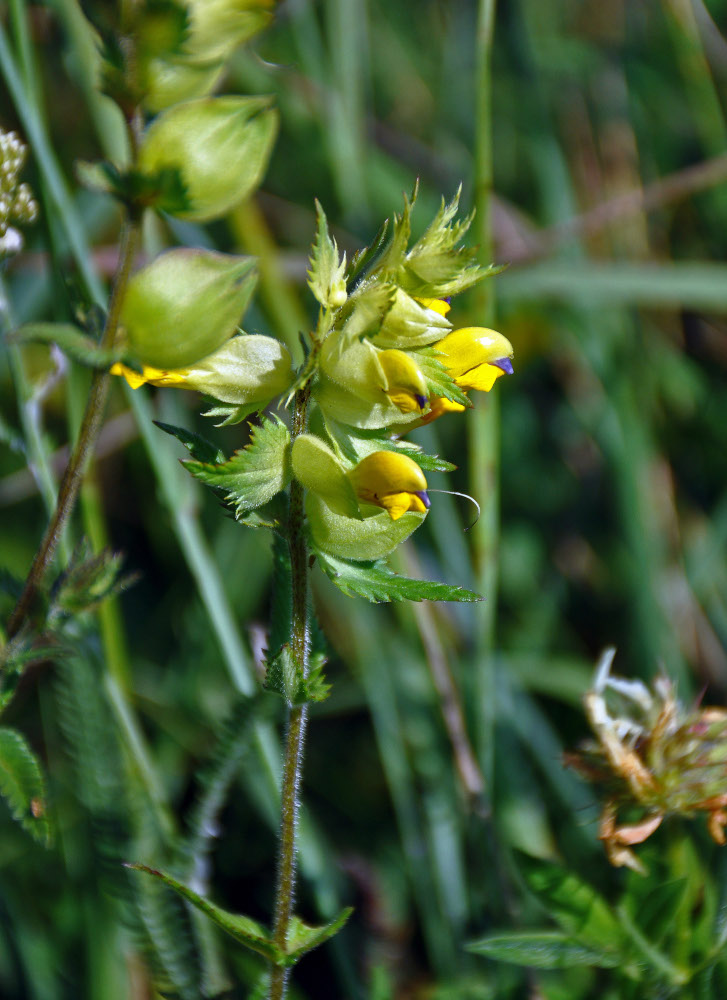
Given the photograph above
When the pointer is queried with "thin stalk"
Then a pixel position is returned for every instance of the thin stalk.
(485, 422)
(298, 717)
(88, 433)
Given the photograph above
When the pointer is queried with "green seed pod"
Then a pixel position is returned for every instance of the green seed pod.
(221, 145)
(318, 469)
(185, 304)
(219, 26)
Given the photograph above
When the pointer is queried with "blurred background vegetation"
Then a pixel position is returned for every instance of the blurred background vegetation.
(438, 754)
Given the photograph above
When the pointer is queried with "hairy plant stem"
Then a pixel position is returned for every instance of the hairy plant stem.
(87, 435)
(298, 714)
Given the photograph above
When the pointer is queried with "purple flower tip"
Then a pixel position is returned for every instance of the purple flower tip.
(421, 401)
(505, 364)
(424, 497)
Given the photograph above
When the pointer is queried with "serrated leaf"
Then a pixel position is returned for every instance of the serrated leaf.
(22, 785)
(303, 937)
(254, 474)
(326, 273)
(199, 448)
(379, 584)
(572, 903)
(316, 687)
(353, 444)
(244, 929)
(541, 950)
(439, 382)
(72, 341)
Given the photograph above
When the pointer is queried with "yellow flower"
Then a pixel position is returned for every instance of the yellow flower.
(394, 482)
(405, 385)
(475, 357)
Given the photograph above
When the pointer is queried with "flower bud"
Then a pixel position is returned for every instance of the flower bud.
(475, 357)
(246, 371)
(221, 146)
(184, 305)
(391, 481)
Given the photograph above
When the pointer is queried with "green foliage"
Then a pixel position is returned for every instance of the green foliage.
(87, 580)
(164, 189)
(302, 937)
(254, 474)
(285, 677)
(541, 950)
(199, 447)
(73, 342)
(22, 785)
(377, 583)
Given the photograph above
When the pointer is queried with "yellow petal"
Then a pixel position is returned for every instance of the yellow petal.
(437, 305)
(469, 355)
(405, 385)
(391, 481)
(438, 406)
(154, 376)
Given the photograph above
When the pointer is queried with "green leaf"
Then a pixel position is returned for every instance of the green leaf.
(285, 677)
(254, 474)
(87, 580)
(22, 785)
(164, 187)
(72, 341)
(244, 929)
(541, 950)
(377, 583)
(572, 903)
(657, 913)
(326, 275)
(231, 414)
(303, 937)
(316, 686)
(353, 444)
(198, 447)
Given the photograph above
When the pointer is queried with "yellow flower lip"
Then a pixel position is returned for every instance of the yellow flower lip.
(391, 481)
